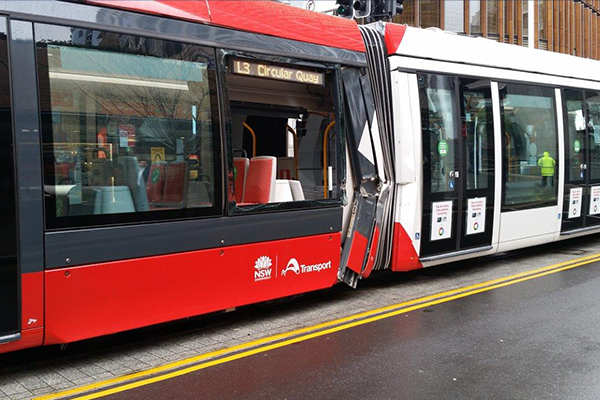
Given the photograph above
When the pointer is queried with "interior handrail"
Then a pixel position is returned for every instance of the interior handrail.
(325, 138)
(293, 132)
(253, 139)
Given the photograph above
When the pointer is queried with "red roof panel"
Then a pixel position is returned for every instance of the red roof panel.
(258, 16)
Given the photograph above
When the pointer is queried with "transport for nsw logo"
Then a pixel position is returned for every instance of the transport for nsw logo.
(294, 266)
(291, 266)
(262, 269)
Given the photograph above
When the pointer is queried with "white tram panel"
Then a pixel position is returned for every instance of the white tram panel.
(498, 164)
(445, 46)
(409, 154)
(562, 161)
(436, 52)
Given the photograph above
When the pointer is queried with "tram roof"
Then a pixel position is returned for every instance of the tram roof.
(264, 17)
(435, 44)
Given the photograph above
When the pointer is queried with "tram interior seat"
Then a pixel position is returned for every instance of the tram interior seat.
(169, 186)
(260, 181)
(176, 181)
(155, 186)
(297, 192)
(91, 202)
(283, 190)
(198, 194)
(100, 200)
(241, 165)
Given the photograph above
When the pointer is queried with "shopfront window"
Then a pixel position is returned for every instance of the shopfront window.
(430, 13)
(454, 16)
(530, 146)
(475, 17)
(542, 20)
(129, 128)
(492, 17)
(408, 15)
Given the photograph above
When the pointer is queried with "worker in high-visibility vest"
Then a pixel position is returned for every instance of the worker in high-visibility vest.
(547, 163)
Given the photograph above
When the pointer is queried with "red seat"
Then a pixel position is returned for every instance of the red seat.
(260, 180)
(156, 182)
(241, 166)
(176, 180)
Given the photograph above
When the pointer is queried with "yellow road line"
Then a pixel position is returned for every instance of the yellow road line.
(303, 333)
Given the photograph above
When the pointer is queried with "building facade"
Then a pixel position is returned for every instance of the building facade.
(565, 26)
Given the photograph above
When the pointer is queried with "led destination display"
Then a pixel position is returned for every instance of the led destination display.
(262, 70)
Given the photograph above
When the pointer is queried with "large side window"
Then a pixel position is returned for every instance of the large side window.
(284, 132)
(530, 146)
(130, 128)
(9, 272)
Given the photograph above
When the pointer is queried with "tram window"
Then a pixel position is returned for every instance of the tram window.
(530, 146)
(477, 125)
(9, 270)
(438, 122)
(130, 128)
(283, 131)
(576, 144)
(593, 108)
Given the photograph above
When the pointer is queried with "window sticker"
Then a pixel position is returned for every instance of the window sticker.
(443, 148)
(441, 220)
(575, 203)
(595, 200)
(476, 215)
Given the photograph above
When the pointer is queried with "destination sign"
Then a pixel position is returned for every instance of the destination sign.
(263, 70)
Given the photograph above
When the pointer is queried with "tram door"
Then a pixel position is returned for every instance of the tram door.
(458, 164)
(9, 273)
(581, 207)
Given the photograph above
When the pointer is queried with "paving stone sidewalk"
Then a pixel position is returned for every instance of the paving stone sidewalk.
(38, 372)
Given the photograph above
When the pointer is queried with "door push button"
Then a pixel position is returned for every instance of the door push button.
(453, 174)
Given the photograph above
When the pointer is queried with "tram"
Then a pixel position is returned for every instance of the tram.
(166, 159)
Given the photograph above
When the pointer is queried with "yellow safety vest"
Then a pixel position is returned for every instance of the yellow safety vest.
(547, 163)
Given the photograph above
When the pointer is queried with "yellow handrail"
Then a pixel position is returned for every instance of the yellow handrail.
(325, 137)
(253, 139)
(293, 132)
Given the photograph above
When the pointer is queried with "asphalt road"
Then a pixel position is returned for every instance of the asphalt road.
(537, 339)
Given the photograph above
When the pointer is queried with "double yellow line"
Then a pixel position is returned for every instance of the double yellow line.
(192, 364)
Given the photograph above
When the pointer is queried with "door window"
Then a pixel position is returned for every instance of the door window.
(478, 133)
(439, 125)
(530, 146)
(441, 147)
(593, 132)
(130, 128)
(576, 135)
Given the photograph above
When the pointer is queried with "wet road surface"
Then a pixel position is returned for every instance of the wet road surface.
(538, 339)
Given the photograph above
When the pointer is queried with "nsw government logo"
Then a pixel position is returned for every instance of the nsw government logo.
(262, 268)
